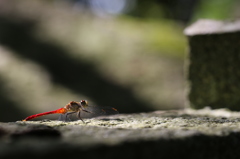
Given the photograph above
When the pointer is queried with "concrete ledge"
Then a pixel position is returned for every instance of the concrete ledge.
(171, 134)
(206, 26)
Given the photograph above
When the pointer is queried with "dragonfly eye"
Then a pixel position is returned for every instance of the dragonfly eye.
(84, 102)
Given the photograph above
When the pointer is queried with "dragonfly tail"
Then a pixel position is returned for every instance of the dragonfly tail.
(58, 111)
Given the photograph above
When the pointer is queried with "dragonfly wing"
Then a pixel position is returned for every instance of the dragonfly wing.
(94, 111)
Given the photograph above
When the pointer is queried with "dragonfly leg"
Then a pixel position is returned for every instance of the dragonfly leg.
(86, 111)
(67, 116)
(78, 114)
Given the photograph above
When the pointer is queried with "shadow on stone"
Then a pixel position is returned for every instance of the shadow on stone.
(197, 147)
(38, 132)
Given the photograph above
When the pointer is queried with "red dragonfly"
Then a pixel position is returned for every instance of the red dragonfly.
(81, 108)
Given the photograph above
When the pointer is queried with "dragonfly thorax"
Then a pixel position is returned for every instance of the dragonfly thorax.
(73, 106)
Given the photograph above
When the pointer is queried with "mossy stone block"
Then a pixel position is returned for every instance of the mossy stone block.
(214, 64)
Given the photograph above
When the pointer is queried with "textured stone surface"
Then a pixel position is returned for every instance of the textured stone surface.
(172, 134)
(213, 66)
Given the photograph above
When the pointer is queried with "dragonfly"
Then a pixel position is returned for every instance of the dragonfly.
(82, 109)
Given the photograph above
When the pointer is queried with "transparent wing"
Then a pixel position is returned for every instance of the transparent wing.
(94, 111)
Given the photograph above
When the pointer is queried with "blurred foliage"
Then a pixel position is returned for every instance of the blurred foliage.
(56, 51)
(177, 10)
(61, 54)
(146, 9)
(215, 9)
(186, 11)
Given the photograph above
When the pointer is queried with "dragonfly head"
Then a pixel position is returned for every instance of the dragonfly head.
(84, 103)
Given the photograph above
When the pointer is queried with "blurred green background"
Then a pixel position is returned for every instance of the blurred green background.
(128, 54)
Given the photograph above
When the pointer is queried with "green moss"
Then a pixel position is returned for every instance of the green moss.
(213, 71)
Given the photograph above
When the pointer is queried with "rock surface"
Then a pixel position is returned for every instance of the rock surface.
(169, 134)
